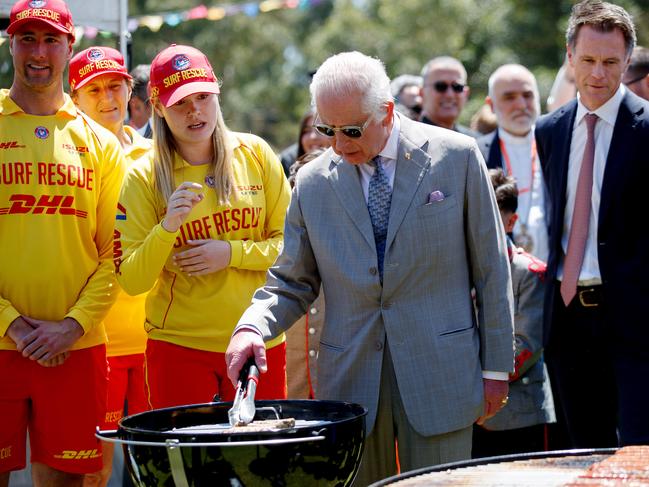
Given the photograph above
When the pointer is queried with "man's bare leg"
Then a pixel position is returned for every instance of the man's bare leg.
(101, 478)
(45, 476)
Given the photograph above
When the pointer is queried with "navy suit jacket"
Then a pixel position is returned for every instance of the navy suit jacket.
(623, 232)
(489, 145)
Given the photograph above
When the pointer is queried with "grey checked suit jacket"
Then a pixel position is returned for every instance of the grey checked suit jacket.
(435, 254)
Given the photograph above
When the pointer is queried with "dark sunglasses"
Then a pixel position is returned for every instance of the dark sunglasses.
(442, 86)
(351, 131)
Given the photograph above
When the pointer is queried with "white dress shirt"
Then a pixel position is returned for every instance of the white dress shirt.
(389, 155)
(607, 113)
(531, 209)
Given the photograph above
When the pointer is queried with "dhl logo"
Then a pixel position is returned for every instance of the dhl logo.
(12, 144)
(45, 204)
(78, 455)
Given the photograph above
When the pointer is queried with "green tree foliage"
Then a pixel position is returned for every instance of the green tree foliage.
(264, 61)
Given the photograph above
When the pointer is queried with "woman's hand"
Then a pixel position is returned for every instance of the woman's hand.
(205, 256)
(180, 204)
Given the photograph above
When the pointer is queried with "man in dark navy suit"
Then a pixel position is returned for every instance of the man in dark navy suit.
(594, 152)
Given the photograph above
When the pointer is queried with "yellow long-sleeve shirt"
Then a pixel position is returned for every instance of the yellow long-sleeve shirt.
(59, 180)
(201, 311)
(125, 320)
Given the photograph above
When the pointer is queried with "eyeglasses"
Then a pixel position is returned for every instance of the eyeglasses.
(442, 86)
(636, 80)
(351, 131)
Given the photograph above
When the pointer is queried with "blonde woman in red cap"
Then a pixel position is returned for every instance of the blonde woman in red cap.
(59, 184)
(101, 87)
(198, 225)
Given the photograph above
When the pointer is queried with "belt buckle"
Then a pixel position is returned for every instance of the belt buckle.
(584, 302)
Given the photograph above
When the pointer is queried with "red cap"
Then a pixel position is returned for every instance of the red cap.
(52, 12)
(179, 71)
(93, 62)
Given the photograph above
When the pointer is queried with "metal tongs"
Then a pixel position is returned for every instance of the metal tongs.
(243, 409)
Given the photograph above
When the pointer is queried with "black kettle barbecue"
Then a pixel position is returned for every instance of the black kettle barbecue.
(196, 445)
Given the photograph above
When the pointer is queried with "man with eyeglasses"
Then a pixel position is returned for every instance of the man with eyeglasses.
(398, 223)
(636, 77)
(445, 93)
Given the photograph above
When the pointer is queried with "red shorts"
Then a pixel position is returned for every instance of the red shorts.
(125, 383)
(178, 375)
(61, 406)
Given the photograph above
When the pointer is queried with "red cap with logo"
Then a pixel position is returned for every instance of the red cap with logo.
(52, 12)
(95, 61)
(179, 71)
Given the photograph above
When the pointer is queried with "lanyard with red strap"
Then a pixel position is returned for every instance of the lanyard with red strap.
(508, 163)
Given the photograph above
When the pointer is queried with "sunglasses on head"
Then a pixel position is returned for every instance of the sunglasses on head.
(442, 86)
(351, 131)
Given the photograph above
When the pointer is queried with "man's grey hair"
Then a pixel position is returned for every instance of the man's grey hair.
(444, 62)
(639, 65)
(603, 17)
(400, 82)
(354, 74)
(140, 74)
(507, 69)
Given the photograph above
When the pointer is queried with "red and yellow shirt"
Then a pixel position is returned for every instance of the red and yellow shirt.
(59, 181)
(201, 312)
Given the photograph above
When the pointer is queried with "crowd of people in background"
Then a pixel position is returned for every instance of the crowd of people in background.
(484, 285)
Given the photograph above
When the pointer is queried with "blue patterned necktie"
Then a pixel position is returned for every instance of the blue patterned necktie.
(379, 197)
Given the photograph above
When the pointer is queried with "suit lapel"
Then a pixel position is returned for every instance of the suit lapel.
(564, 125)
(495, 160)
(412, 165)
(346, 184)
(619, 153)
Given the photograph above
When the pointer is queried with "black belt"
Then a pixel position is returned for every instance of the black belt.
(589, 296)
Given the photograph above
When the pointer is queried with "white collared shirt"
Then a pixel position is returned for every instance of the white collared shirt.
(142, 130)
(389, 155)
(607, 114)
(531, 209)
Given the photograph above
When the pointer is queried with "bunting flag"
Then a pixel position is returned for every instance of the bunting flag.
(155, 21)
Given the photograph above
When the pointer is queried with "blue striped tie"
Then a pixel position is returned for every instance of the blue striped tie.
(379, 197)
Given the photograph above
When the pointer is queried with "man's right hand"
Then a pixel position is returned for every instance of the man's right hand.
(243, 344)
(19, 331)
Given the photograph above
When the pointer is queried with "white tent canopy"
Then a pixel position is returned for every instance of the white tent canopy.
(109, 15)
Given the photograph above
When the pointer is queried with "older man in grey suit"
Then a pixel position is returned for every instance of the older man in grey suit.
(398, 242)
